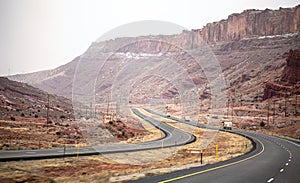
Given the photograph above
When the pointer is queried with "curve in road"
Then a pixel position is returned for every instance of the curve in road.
(273, 160)
(173, 137)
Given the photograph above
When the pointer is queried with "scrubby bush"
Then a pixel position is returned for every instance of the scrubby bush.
(12, 118)
(120, 129)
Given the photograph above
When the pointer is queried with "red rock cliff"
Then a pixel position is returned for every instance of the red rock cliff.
(291, 73)
(246, 24)
(290, 78)
(252, 22)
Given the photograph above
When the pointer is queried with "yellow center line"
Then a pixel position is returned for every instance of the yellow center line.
(218, 167)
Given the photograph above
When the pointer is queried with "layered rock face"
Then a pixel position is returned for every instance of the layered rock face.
(252, 22)
(290, 78)
(291, 73)
(241, 44)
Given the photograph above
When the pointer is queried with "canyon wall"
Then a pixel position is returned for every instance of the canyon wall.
(228, 33)
(250, 23)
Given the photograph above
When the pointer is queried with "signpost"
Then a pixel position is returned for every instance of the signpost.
(78, 147)
(217, 149)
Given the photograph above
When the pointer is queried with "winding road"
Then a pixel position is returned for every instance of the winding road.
(274, 160)
(173, 137)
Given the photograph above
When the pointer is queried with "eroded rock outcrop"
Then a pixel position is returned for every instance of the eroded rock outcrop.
(289, 83)
(291, 73)
(250, 23)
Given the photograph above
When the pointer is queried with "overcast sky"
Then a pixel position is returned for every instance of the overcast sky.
(44, 34)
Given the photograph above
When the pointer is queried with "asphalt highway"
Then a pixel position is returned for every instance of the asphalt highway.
(273, 160)
(173, 137)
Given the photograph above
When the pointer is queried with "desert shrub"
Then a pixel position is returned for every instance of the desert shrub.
(36, 116)
(215, 117)
(262, 124)
(22, 114)
(12, 118)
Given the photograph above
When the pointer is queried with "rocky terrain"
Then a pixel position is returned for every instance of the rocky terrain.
(24, 110)
(26, 103)
(252, 23)
(23, 119)
(251, 49)
(249, 30)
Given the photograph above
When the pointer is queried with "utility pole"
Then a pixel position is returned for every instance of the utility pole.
(91, 112)
(95, 112)
(241, 100)
(232, 105)
(48, 111)
(296, 103)
(200, 106)
(268, 115)
(80, 109)
(228, 103)
(285, 104)
(273, 111)
(107, 110)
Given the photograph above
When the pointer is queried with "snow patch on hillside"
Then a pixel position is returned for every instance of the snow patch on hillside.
(138, 55)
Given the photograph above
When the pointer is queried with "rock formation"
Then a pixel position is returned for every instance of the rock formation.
(291, 73)
(289, 83)
(256, 39)
(251, 23)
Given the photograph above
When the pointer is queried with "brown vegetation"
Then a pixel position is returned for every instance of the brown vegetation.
(115, 168)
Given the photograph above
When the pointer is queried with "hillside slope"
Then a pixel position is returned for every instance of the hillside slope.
(248, 32)
(25, 102)
(251, 49)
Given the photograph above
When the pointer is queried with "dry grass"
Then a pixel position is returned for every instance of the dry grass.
(17, 135)
(127, 166)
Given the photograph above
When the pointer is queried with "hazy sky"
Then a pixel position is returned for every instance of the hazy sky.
(44, 34)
